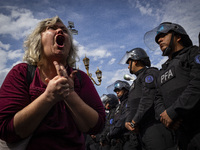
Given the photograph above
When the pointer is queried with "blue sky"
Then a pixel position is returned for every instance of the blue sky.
(106, 29)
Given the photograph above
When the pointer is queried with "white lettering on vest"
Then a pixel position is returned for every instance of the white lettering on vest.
(166, 76)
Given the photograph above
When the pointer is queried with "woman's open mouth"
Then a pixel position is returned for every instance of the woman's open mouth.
(60, 39)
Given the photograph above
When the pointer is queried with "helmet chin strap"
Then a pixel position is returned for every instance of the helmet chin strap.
(168, 50)
(131, 67)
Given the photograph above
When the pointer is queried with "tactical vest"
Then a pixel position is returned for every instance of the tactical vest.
(135, 95)
(173, 80)
(174, 77)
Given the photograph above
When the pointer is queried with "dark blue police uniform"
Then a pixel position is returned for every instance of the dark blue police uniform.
(179, 94)
(141, 107)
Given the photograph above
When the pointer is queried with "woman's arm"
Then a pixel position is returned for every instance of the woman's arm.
(28, 119)
(86, 109)
(84, 116)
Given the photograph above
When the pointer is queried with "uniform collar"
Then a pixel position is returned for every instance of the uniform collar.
(176, 53)
(164, 66)
(140, 71)
(123, 97)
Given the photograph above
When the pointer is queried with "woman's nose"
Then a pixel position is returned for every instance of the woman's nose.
(59, 31)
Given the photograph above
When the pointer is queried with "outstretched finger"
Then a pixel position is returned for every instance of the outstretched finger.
(64, 71)
(58, 68)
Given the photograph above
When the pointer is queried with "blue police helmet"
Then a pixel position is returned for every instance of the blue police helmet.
(166, 27)
(151, 37)
(111, 99)
(119, 85)
(136, 54)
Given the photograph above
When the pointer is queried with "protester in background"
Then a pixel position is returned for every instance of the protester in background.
(121, 138)
(141, 118)
(111, 101)
(178, 99)
(54, 109)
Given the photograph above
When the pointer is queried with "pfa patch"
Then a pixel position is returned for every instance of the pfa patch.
(111, 121)
(149, 79)
(197, 59)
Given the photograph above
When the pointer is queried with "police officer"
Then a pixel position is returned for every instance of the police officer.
(111, 101)
(178, 100)
(141, 97)
(93, 142)
(121, 138)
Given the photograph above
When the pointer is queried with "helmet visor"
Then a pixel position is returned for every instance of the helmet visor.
(104, 98)
(151, 37)
(113, 87)
(118, 85)
(110, 89)
(125, 58)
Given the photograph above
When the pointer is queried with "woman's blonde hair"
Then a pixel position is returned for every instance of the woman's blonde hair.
(33, 47)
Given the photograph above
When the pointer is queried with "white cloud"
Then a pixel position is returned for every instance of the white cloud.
(145, 10)
(117, 75)
(149, 8)
(13, 54)
(18, 24)
(3, 68)
(101, 62)
(112, 61)
(97, 53)
(4, 46)
(123, 47)
(3, 58)
(186, 14)
(3, 74)
(76, 16)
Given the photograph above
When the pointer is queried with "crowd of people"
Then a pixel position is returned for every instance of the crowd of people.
(46, 104)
